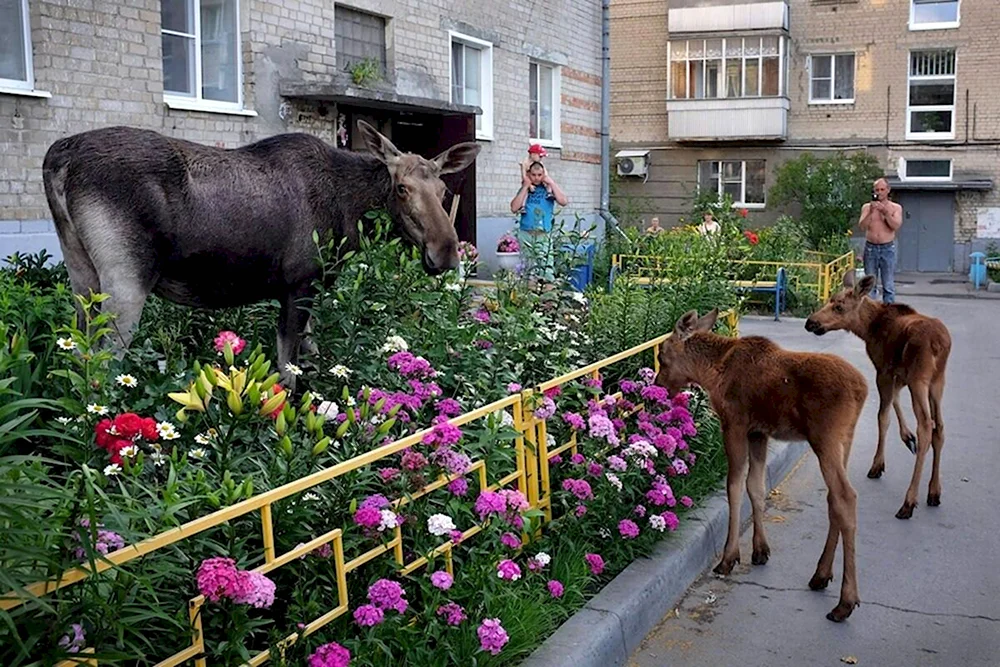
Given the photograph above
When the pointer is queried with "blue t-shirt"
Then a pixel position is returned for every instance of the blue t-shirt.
(538, 210)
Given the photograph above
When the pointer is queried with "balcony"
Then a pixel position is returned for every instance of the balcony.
(760, 118)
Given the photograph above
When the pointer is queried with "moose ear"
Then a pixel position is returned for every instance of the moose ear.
(849, 279)
(865, 286)
(686, 324)
(379, 146)
(457, 158)
(707, 321)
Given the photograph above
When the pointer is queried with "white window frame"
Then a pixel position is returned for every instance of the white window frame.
(485, 132)
(833, 78)
(743, 184)
(903, 176)
(953, 107)
(27, 85)
(684, 45)
(944, 25)
(196, 102)
(556, 140)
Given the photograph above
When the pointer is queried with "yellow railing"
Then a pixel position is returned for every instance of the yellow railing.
(820, 276)
(531, 475)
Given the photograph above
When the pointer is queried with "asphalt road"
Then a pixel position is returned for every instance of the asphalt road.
(929, 586)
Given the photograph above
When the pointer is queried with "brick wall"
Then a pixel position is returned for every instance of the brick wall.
(639, 71)
(101, 62)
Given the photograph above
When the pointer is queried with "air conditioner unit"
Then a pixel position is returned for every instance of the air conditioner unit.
(632, 163)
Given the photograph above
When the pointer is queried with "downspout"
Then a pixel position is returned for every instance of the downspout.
(605, 206)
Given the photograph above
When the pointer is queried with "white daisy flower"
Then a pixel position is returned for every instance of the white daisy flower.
(64, 420)
(440, 524)
(167, 431)
(378, 307)
(350, 402)
(126, 380)
(96, 409)
(341, 371)
(112, 470)
(453, 287)
(293, 369)
(197, 454)
(202, 439)
(158, 458)
(310, 497)
(318, 397)
(66, 343)
(129, 451)
(155, 446)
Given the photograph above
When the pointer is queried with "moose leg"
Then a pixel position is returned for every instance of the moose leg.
(83, 276)
(736, 454)
(922, 409)
(905, 434)
(937, 441)
(756, 489)
(886, 393)
(291, 322)
(842, 501)
(127, 292)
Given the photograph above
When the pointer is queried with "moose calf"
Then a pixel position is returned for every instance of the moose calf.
(760, 391)
(908, 349)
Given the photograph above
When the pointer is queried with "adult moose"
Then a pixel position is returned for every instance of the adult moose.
(139, 213)
(761, 391)
(908, 350)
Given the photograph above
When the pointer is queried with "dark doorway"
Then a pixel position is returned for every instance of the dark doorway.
(925, 242)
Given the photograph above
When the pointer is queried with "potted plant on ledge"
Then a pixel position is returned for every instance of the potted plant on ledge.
(508, 252)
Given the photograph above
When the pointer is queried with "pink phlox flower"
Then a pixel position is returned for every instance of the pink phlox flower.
(378, 501)
(628, 529)
(510, 540)
(574, 420)
(368, 517)
(492, 636)
(546, 409)
(578, 459)
(458, 487)
(655, 394)
(482, 316)
(441, 579)
(387, 594)
(443, 435)
(450, 407)
(218, 578)
(579, 488)
(617, 463)
(490, 502)
(686, 501)
(330, 655)
(508, 570)
(594, 469)
(453, 613)
(235, 342)
(671, 519)
(647, 375)
(555, 588)
(255, 589)
(680, 467)
(595, 563)
(368, 616)
(412, 460)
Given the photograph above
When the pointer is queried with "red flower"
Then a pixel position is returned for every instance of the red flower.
(128, 425)
(115, 435)
(744, 213)
(751, 237)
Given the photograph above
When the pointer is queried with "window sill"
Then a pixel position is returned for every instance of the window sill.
(931, 136)
(831, 103)
(916, 27)
(750, 207)
(547, 143)
(484, 137)
(198, 105)
(24, 92)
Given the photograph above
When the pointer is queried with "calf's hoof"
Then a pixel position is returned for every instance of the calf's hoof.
(876, 471)
(911, 443)
(818, 582)
(906, 511)
(760, 556)
(933, 499)
(842, 611)
(726, 566)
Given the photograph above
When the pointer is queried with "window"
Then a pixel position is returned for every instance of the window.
(931, 100)
(743, 180)
(360, 38)
(933, 14)
(924, 170)
(472, 79)
(831, 78)
(15, 46)
(543, 103)
(201, 54)
(731, 67)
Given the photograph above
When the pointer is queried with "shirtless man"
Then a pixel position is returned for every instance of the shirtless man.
(880, 220)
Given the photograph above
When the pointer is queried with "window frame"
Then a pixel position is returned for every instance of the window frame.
(833, 78)
(197, 102)
(556, 140)
(783, 57)
(485, 133)
(743, 182)
(24, 86)
(953, 107)
(941, 25)
(903, 169)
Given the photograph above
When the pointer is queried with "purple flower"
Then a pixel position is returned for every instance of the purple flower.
(458, 487)
(508, 570)
(513, 387)
(680, 467)
(483, 344)
(546, 409)
(577, 459)
(369, 517)
(413, 460)
(555, 588)
(455, 463)
(441, 579)
(628, 386)
(575, 421)
(617, 463)
(510, 540)
(443, 435)
(647, 375)
(330, 655)
(378, 501)
(595, 563)
(490, 502)
(453, 613)
(368, 616)
(388, 474)
(76, 642)
(640, 511)
(579, 488)
(555, 459)
(492, 636)
(482, 316)
(686, 501)
(628, 529)
(387, 594)
(580, 510)
(450, 407)
(456, 536)
(594, 469)
(671, 519)
(655, 394)
(602, 427)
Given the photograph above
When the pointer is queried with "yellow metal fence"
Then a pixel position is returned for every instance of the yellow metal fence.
(531, 476)
(819, 275)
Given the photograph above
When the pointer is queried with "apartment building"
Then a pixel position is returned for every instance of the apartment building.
(427, 73)
(715, 94)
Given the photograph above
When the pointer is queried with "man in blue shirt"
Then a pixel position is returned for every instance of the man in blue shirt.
(537, 211)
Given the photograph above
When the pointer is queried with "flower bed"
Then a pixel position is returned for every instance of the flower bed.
(343, 524)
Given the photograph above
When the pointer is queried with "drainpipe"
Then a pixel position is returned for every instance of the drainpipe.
(605, 207)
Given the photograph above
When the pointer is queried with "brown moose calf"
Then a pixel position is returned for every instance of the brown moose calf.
(908, 350)
(760, 391)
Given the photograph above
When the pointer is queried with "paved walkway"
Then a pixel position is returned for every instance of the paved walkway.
(930, 586)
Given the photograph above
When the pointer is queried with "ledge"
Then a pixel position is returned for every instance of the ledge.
(24, 92)
(204, 107)
(380, 96)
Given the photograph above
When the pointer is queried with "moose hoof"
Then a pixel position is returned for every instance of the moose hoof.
(725, 566)
(906, 511)
(818, 583)
(933, 499)
(911, 443)
(842, 611)
(761, 555)
(876, 471)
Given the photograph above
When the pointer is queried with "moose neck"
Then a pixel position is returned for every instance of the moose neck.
(361, 183)
(705, 352)
(868, 312)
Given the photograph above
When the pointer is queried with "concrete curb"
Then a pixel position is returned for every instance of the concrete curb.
(613, 624)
